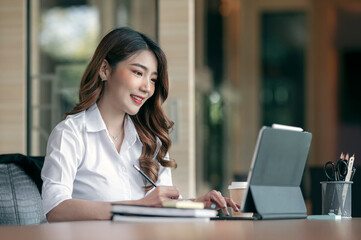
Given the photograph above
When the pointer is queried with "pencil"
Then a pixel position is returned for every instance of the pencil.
(144, 175)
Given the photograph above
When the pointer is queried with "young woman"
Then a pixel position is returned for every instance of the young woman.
(118, 123)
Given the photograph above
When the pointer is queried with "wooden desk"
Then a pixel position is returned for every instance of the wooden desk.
(220, 230)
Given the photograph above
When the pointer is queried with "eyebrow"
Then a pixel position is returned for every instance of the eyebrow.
(143, 67)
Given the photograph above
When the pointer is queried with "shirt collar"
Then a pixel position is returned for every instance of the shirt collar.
(130, 132)
(95, 123)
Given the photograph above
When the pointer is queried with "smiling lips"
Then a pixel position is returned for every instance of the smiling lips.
(137, 99)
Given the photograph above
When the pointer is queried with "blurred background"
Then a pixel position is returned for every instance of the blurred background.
(234, 66)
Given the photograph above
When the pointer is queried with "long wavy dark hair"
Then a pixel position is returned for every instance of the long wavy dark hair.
(150, 122)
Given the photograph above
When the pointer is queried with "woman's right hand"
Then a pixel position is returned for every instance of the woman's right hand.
(159, 195)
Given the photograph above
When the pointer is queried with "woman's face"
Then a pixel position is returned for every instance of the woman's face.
(132, 82)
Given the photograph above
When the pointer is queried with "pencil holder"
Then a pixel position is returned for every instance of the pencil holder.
(336, 198)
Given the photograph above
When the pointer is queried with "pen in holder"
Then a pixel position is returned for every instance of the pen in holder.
(336, 198)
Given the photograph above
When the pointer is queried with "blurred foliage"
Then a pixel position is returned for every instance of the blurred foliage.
(69, 33)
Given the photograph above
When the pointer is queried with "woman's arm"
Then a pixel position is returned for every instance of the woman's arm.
(81, 210)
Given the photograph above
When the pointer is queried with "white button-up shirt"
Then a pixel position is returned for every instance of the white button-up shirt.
(82, 162)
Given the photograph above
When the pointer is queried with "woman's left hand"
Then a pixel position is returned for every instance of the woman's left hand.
(215, 198)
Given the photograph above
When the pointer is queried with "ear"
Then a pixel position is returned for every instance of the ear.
(104, 71)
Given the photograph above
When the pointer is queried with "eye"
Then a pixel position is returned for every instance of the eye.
(138, 73)
(154, 80)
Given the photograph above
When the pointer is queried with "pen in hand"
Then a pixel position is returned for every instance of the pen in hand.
(144, 175)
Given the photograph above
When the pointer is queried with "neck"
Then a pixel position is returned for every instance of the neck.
(112, 117)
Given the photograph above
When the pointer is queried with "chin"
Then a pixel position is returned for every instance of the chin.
(132, 112)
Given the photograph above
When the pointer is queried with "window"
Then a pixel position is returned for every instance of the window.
(64, 35)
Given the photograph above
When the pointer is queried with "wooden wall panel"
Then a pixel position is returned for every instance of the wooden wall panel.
(176, 37)
(12, 76)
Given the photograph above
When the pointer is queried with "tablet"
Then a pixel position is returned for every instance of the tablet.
(230, 218)
(276, 172)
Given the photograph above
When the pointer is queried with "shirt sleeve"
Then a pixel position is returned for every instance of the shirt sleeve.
(62, 158)
(165, 174)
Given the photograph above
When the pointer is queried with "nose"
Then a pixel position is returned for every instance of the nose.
(146, 85)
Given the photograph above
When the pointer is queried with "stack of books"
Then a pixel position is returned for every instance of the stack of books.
(172, 211)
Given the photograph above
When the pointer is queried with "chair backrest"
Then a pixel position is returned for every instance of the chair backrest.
(20, 199)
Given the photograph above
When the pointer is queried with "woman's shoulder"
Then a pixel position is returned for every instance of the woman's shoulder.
(74, 122)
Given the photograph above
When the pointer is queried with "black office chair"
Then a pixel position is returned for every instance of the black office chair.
(20, 189)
